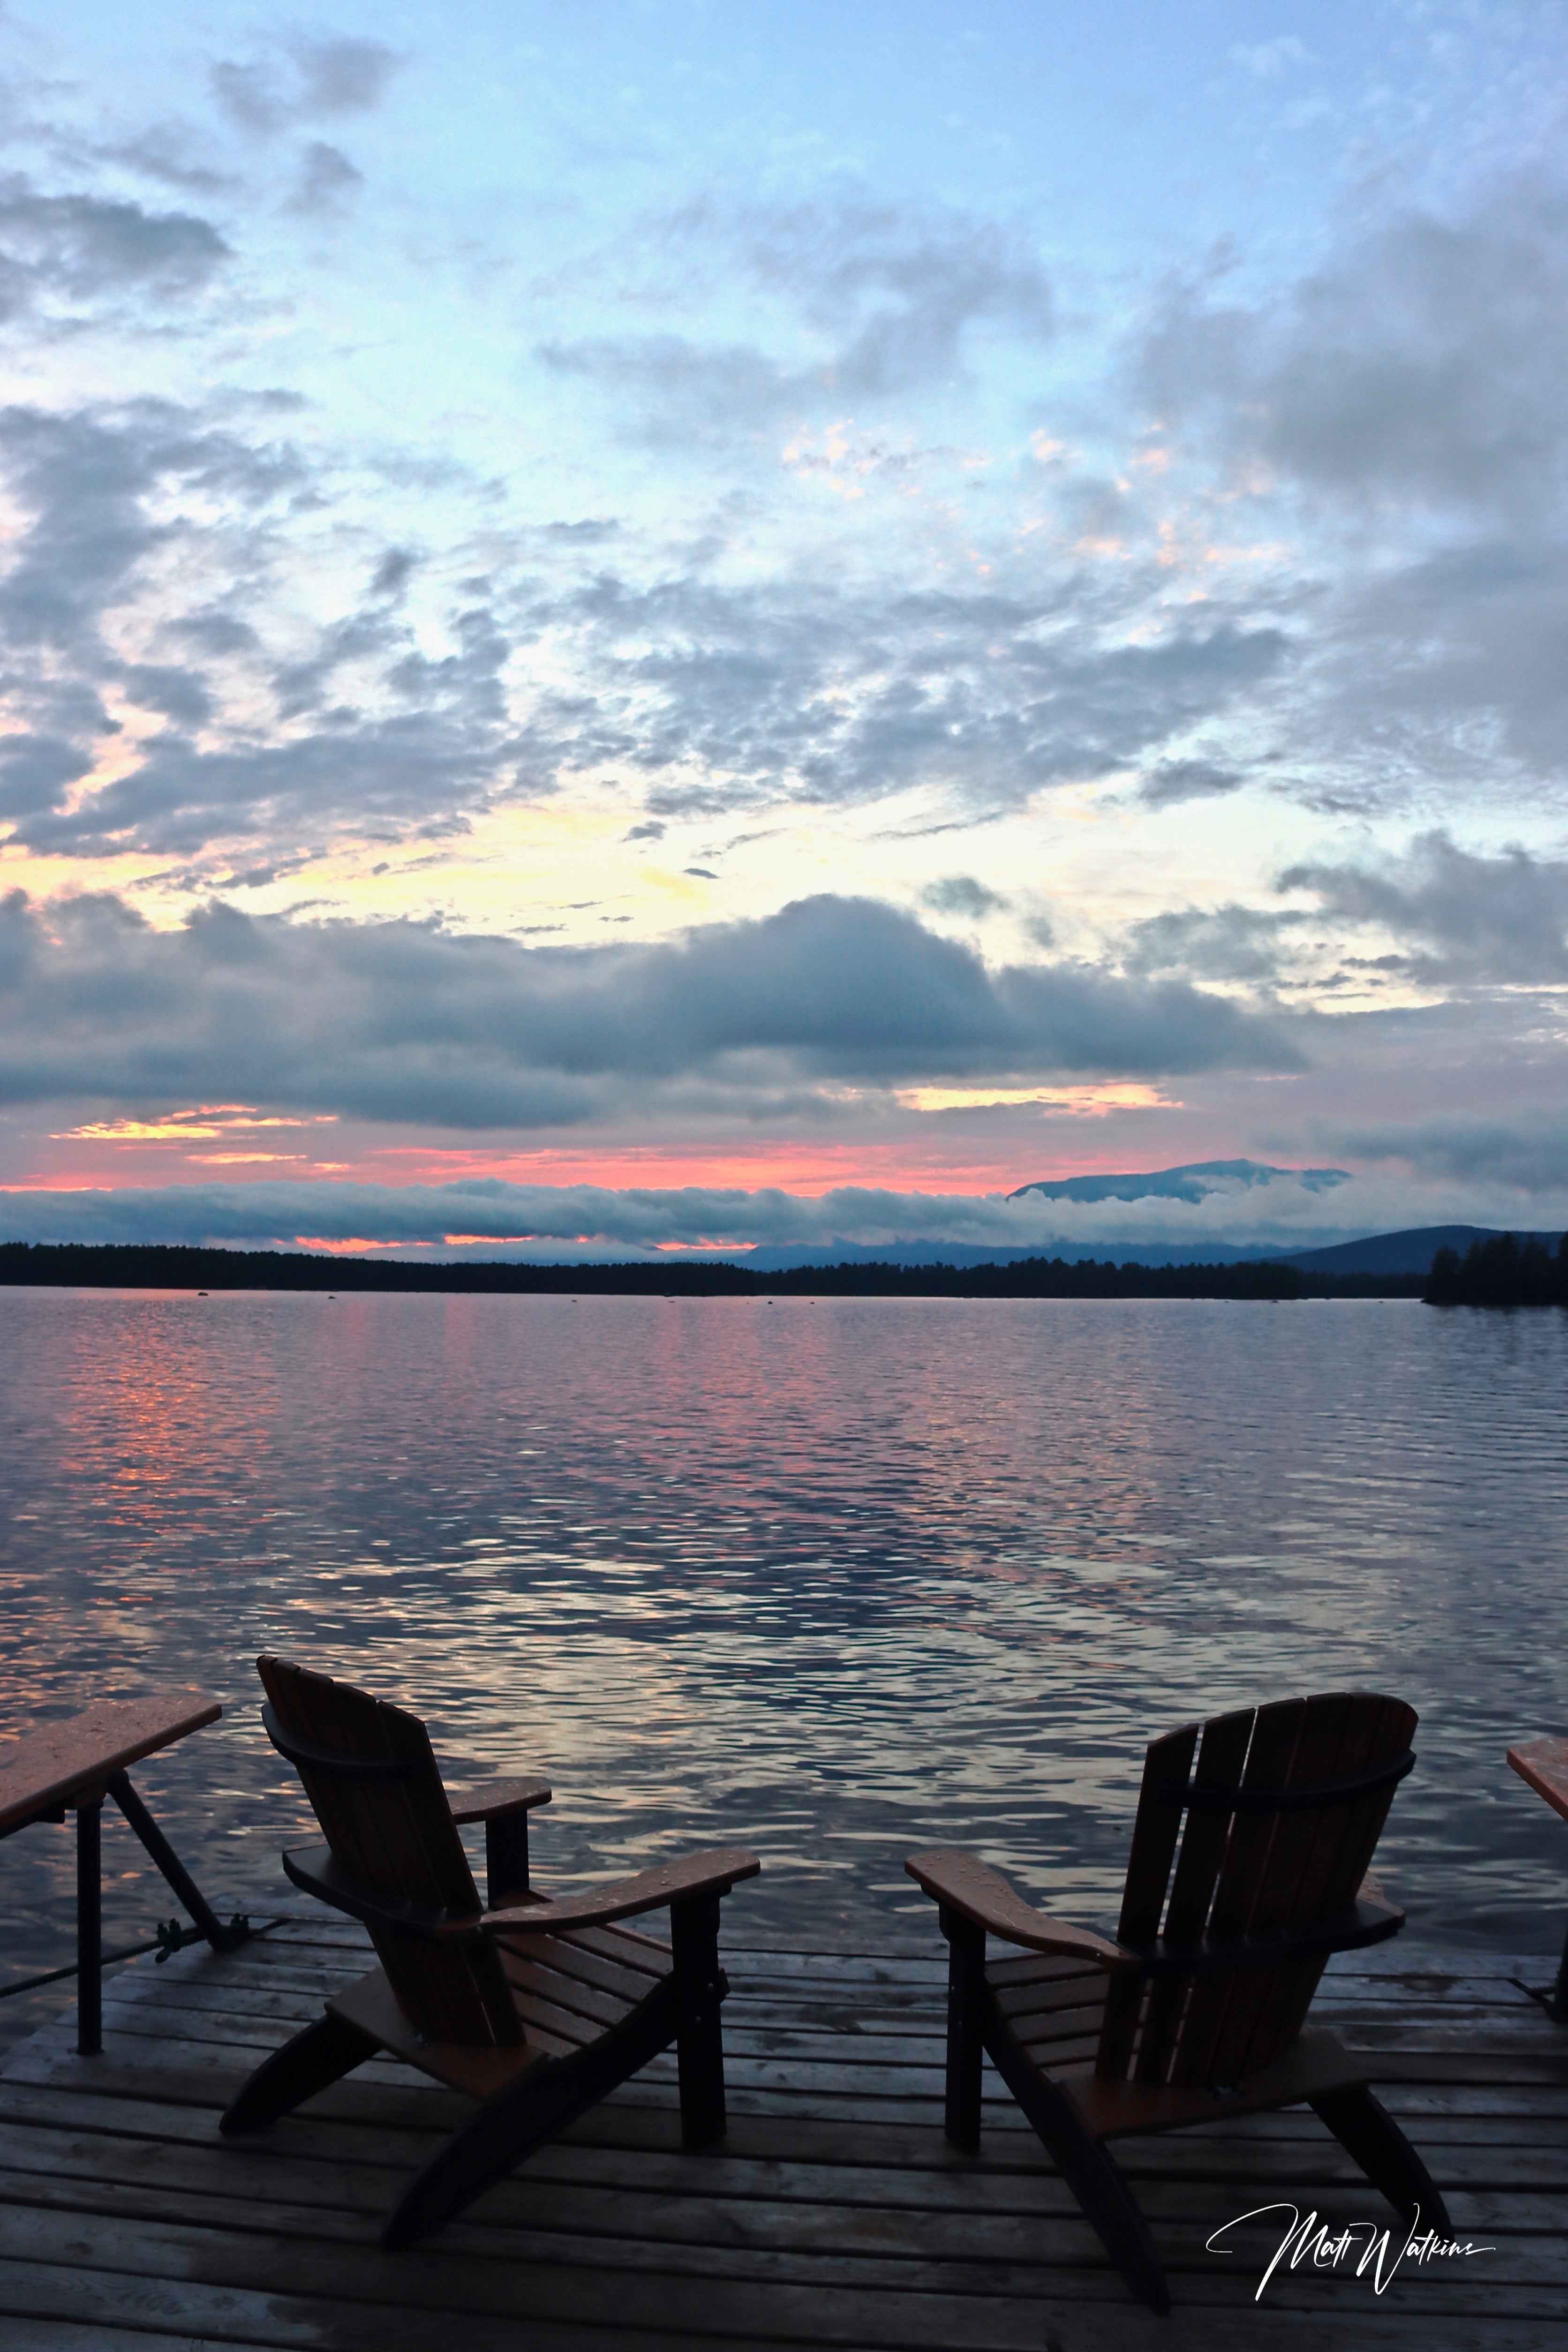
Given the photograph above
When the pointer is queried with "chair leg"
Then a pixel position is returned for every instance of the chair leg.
(323, 2053)
(699, 2041)
(1366, 2130)
(965, 1998)
(537, 2106)
(1092, 2174)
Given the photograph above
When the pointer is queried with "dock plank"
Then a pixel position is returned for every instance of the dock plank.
(833, 2215)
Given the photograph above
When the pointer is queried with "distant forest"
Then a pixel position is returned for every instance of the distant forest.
(136, 1266)
(1500, 1273)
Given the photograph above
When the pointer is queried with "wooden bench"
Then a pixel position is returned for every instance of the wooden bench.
(71, 1766)
(1545, 1764)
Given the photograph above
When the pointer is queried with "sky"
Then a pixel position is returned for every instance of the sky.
(643, 626)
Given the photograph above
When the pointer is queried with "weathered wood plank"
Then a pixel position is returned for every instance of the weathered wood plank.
(833, 2214)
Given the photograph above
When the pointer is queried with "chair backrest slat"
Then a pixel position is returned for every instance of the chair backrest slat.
(1155, 1829)
(1294, 1745)
(1280, 1847)
(397, 1840)
(1375, 1730)
(1221, 1755)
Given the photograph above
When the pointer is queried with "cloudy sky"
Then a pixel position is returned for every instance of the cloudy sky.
(666, 622)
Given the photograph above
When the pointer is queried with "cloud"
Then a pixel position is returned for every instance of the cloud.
(1497, 920)
(1193, 1183)
(73, 248)
(1422, 365)
(1528, 1150)
(707, 696)
(794, 690)
(393, 572)
(961, 894)
(307, 81)
(86, 485)
(1292, 1209)
(1185, 779)
(1396, 416)
(887, 295)
(1231, 942)
(399, 1021)
(35, 770)
(327, 180)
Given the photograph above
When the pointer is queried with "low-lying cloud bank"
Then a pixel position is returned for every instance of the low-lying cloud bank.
(1263, 1209)
(401, 1021)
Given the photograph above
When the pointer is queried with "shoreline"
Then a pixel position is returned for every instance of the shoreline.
(120, 1265)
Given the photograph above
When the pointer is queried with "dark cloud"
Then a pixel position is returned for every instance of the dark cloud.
(403, 1021)
(393, 572)
(178, 694)
(309, 81)
(1527, 1151)
(1452, 665)
(35, 770)
(1422, 363)
(84, 484)
(327, 180)
(961, 894)
(1185, 779)
(412, 775)
(1468, 918)
(1229, 943)
(806, 693)
(343, 75)
(1403, 404)
(168, 153)
(75, 247)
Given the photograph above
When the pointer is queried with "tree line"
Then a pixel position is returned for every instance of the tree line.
(123, 1265)
(1504, 1271)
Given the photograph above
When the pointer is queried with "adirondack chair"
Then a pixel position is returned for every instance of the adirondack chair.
(1200, 2019)
(537, 2008)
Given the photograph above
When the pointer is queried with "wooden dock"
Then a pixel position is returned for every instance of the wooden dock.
(834, 2215)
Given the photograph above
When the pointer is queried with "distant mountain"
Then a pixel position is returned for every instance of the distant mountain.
(1192, 1183)
(1406, 1252)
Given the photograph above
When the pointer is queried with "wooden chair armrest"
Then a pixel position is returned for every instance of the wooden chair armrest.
(484, 1802)
(969, 1885)
(1545, 1764)
(713, 1871)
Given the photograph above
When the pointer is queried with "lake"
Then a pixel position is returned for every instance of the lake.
(834, 1578)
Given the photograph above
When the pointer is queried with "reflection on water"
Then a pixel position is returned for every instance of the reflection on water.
(831, 1578)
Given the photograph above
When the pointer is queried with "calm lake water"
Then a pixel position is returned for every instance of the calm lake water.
(830, 1578)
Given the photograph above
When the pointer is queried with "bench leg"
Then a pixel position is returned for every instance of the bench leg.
(89, 1929)
(1366, 2130)
(966, 1998)
(221, 1939)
